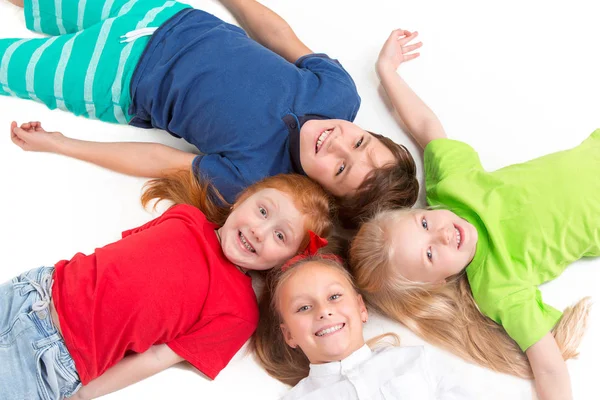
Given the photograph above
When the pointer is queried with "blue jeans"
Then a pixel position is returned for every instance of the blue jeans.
(34, 361)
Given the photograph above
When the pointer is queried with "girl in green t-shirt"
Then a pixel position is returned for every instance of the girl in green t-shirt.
(464, 274)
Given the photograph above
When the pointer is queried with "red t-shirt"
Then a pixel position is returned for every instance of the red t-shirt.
(165, 282)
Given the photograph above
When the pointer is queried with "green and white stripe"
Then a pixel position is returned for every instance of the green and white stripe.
(4, 65)
(78, 71)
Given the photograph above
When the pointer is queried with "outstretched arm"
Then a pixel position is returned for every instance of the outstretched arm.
(421, 122)
(151, 160)
(267, 28)
(130, 370)
(549, 370)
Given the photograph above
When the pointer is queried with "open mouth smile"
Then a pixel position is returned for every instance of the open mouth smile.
(321, 139)
(330, 330)
(459, 236)
(245, 243)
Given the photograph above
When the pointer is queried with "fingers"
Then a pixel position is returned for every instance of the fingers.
(408, 37)
(412, 47)
(14, 135)
(32, 126)
(408, 57)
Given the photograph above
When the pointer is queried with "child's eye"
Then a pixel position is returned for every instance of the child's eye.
(429, 254)
(263, 211)
(359, 143)
(280, 236)
(335, 296)
(341, 169)
(303, 308)
(424, 223)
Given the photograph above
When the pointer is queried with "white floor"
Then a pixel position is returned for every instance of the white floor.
(515, 80)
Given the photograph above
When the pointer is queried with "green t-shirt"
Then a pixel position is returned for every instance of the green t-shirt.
(533, 219)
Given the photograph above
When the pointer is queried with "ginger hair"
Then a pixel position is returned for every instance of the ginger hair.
(282, 362)
(182, 187)
(446, 315)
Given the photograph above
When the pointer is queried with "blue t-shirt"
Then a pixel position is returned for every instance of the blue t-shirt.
(207, 82)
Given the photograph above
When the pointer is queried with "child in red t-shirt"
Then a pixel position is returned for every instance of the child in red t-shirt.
(173, 289)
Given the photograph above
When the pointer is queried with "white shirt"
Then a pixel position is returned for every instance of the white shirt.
(404, 373)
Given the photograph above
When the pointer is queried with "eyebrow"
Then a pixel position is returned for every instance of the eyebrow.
(293, 299)
(272, 203)
(285, 220)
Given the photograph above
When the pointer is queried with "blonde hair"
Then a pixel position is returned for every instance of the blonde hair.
(286, 364)
(446, 315)
(182, 187)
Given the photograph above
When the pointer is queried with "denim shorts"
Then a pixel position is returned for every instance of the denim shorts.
(34, 360)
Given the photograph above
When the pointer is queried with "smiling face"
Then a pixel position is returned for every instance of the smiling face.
(431, 245)
(263, 231)
(322, 313)
(339, 154)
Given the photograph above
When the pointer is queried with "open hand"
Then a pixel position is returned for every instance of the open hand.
(397, 50)
(30, 136)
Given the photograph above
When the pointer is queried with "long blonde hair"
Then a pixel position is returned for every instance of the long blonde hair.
(446, 315)
(289, 365)
(182, 187)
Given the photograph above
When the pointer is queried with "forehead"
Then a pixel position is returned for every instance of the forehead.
(404, 231)
(310, 279)
(376, 155)
(279, 199)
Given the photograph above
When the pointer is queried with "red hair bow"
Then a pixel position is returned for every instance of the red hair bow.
(316, 242)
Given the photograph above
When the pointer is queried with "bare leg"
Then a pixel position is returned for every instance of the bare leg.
(18, 3)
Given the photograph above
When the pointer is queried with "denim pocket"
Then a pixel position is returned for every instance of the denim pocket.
(18, 326)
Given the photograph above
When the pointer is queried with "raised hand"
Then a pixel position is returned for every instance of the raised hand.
(30, 136)
(397, 49)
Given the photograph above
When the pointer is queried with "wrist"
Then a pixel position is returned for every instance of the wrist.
(385, 69)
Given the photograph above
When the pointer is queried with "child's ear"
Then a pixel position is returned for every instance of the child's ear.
(287, 336)
(364, 313)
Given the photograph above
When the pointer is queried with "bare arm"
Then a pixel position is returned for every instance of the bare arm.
(152, 160)
(421, 122)
(549, 370)
(130, 370)
(267, 28)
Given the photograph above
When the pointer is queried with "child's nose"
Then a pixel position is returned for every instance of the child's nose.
(258, 233)
(337, 146)
(445, 235)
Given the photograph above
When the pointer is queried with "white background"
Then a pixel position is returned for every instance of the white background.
(514, 79)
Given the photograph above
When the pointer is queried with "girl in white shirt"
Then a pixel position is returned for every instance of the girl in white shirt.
(310, 335)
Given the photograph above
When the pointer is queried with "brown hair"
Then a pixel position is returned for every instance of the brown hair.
(446, 315)
(182, 187)
(289, 365)
(389, 187)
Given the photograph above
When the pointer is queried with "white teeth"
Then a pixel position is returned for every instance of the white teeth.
(322, 138)
(246, 244)
(458, 238)
(329, 330)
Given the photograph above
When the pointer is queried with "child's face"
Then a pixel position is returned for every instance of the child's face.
(431, 245)
(322, 313)
(263, 231)
(339, 154)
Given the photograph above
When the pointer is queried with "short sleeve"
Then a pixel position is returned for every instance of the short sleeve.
(213, 343)
(445, 157)
(179, 211)
(525, 317)
(333, 81)
(446, 382)
(222, 173)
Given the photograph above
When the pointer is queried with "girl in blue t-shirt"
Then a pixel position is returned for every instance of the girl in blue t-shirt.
(254, 108)
(465, 274)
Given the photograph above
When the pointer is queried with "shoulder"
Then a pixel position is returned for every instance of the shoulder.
(302, 389)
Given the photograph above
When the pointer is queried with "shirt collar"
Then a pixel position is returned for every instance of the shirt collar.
(341, 367)
(294, 124)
